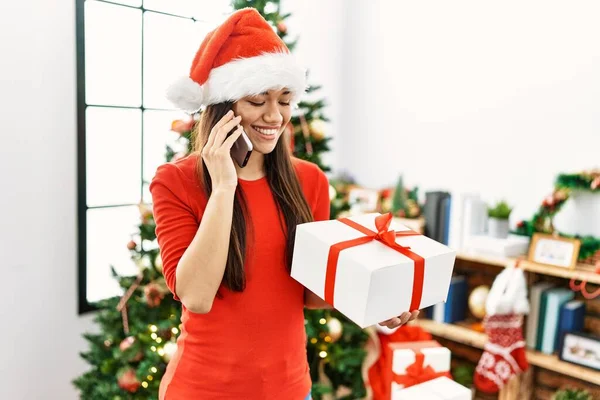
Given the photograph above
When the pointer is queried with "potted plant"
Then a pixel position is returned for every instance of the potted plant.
(571, 394)
(498, 220)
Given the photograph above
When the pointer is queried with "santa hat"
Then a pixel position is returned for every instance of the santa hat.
(241, 57)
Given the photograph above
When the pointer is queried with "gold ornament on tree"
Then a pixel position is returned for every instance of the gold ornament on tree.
(317, 129)
(477, 300)
(335, 329)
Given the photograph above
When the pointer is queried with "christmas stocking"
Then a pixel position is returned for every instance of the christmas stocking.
(504, 353)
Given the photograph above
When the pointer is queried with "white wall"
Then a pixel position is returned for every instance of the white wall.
(471, 96)
(319, 27)
(40, 330)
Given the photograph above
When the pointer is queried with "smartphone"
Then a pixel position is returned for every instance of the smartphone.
(241, 149)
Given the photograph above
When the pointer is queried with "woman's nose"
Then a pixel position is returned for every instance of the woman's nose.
(272, 114)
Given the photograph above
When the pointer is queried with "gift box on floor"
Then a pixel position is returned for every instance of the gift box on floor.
(413, 363)
(371, 268)
(437, 389)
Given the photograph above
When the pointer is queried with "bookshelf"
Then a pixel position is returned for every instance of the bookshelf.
(472, 338)
(580, 272)
(549, 370)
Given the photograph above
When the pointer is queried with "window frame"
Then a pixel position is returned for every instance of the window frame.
(83, 305)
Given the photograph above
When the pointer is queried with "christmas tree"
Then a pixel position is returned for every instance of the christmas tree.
(405, 202)
(138, 332)
(400, 198)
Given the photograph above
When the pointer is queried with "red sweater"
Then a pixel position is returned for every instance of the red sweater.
(251, 345)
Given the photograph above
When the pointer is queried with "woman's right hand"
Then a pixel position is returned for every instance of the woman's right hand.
(216, 154)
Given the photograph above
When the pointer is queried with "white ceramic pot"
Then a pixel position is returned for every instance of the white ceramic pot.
(498, 228)
(580, 215)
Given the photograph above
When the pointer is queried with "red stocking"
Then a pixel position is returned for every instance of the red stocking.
(504, 353)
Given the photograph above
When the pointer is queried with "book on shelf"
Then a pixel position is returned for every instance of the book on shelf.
(533, 318)
(437, 216)
(454, 309)
(551, 302)
(572, 316)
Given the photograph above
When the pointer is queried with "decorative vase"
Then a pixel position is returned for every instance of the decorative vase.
(498, 228)
(580, 215)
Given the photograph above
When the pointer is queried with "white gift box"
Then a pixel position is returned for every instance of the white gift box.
(415, 393)
(437, 389)
(404, 354)
(373, 282)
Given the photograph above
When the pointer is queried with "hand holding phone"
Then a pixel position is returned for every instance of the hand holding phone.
(217, 153)
(241, 149)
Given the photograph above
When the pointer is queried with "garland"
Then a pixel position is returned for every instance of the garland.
(564, 185)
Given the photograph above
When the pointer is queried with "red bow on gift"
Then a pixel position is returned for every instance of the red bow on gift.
(417, 373)
(385, 236)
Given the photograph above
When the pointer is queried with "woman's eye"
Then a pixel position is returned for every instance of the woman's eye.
(284, 103)
(255, 104)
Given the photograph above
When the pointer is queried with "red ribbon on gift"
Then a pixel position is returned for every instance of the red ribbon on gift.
(385, 236)
(417, 373)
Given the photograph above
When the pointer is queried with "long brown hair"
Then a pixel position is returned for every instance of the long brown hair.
(285, 187)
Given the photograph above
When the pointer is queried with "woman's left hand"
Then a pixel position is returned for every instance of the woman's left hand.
(395, 322)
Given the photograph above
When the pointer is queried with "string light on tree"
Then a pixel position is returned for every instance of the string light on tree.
(169, 349)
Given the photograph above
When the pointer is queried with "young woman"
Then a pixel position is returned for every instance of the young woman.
(226, 232)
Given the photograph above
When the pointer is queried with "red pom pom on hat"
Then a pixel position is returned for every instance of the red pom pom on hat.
(241, 57)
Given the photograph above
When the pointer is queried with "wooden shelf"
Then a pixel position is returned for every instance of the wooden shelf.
(476, 339)
(581, 271)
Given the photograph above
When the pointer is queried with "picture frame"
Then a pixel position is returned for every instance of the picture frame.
(554, 250)
(580, 349)
(363, 200)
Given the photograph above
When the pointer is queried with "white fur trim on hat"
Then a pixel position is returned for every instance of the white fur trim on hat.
(239, 78)
(185, 94)
(255, 75)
